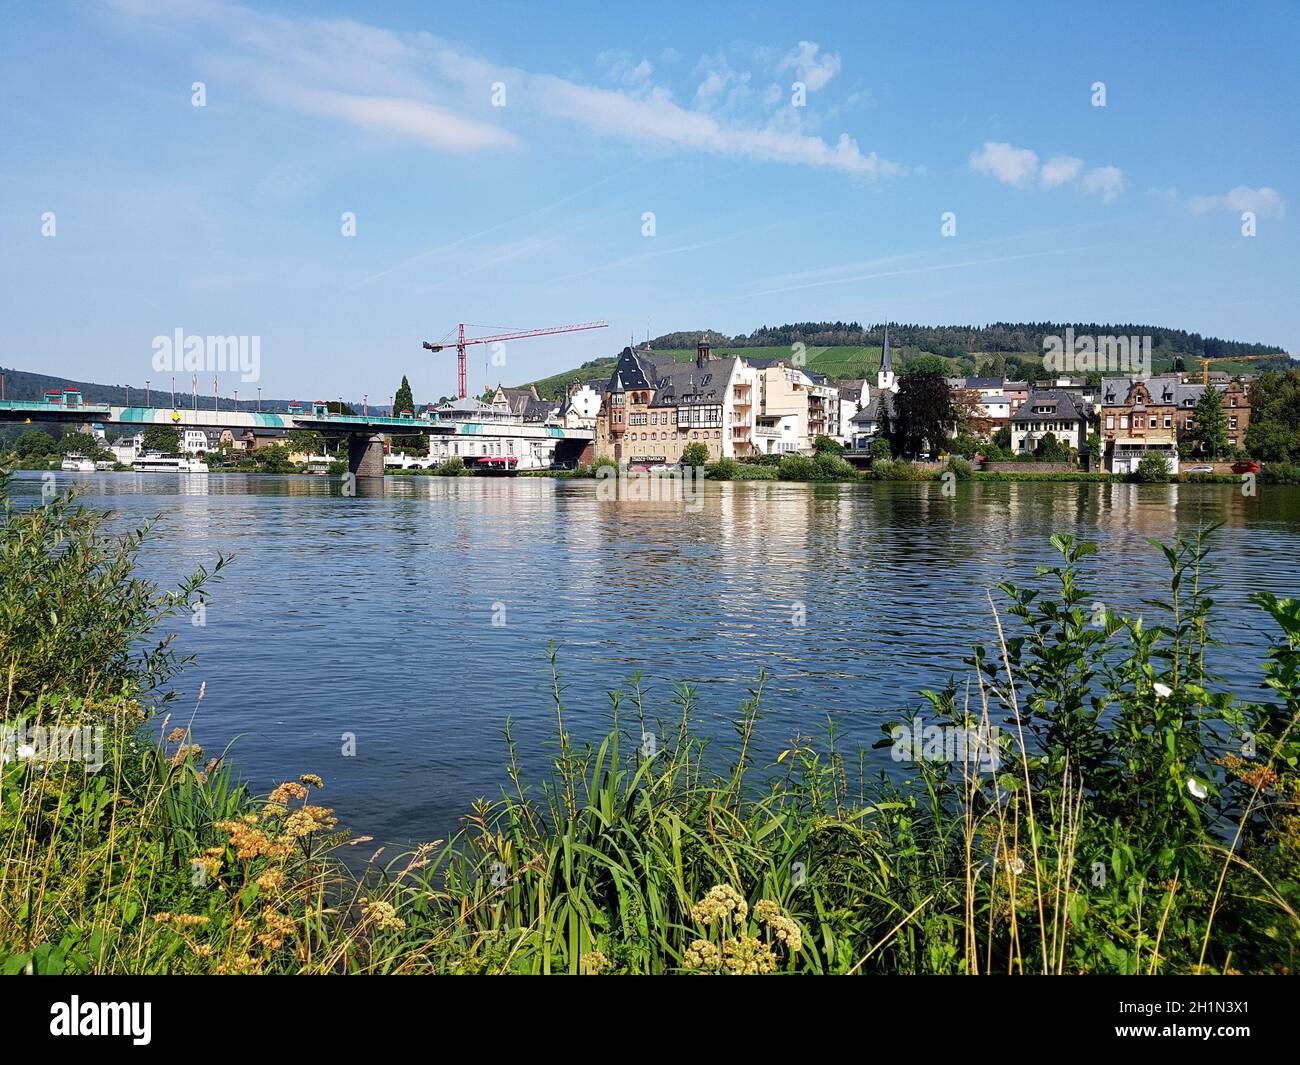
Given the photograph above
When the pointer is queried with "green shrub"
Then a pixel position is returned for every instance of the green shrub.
(452, 467)
(963, 470)
(880, 450)
(1278, 473)
(1153, 469)
(800, 468)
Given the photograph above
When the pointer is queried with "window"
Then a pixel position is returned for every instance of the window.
(1123, 421)
(1152, 423)
(1110, 421)
(1169, 420)
(1234, 401)
(1232, 422)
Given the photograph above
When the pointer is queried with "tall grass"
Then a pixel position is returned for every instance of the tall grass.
(1140, 818)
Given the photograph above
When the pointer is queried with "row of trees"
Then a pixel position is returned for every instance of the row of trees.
(1274, 431)
(954, 341)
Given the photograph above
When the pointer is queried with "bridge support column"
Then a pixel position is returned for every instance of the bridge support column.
(366, 455)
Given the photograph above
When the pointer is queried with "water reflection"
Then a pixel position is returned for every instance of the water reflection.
(373, 614)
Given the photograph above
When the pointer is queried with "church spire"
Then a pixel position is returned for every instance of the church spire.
(885, 380)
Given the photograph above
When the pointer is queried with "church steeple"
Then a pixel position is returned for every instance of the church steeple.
(885, 380)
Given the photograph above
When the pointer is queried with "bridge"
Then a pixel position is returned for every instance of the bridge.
(364, 432)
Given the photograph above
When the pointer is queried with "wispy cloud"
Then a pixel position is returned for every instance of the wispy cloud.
(939, 267)
(1019, 168)
(398, 84)
(811, 66)
(1263, 201)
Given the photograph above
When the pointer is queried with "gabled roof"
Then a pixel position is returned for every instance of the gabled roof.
(687, 385)
(1064, 407)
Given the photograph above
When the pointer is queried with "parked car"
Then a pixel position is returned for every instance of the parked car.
(1245, 466)
(1200, 469)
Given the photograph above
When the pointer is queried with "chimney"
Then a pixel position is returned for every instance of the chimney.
(702, 352)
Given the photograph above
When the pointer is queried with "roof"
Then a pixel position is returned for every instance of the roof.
(870, 414)
(1064, 406)
(689, 385)
(1166, 390)
(886, 360)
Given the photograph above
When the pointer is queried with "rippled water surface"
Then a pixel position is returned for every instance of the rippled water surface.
(374, 615)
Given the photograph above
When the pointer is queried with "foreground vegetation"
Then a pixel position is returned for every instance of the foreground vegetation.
(1139, 818)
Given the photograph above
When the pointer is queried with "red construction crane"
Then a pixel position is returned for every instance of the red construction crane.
(463, 342)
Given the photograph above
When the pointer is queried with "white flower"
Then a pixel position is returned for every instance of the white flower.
(1197, 789)
(26, 752)
(1163, 690)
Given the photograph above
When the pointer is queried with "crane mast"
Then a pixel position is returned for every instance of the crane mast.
(462, 342)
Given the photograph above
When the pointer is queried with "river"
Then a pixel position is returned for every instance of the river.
(417, 618)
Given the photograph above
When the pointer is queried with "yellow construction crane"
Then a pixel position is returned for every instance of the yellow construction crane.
(1205, 363)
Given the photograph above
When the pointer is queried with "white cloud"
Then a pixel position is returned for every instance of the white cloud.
(811, 67)
(1264, 201)
(399, 84)
(409, 119)
(1019, 167)
(1011, 166)
(1060, 170)
(1104, 181)
(656, 119)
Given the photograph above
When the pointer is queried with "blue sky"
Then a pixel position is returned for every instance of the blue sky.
(226, 219)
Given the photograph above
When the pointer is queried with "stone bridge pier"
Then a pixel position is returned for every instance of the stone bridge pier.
(366, 454)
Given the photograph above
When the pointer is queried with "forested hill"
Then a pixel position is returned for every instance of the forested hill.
(954, 341)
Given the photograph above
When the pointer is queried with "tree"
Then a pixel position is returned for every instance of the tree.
(827, 445)
(926, 364)
(404, 400)
(164, 439)
(1209, 426)
(1274, 431)
(1050, 449)
(1153, 469)
(34, 444)
(880, 451)
(83, 444)
(305, 441)
(696, 454)
(923, 412)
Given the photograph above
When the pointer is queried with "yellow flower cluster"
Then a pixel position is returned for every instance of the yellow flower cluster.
(593, 963)
(312, 779)
(270, 880)
(702, 955)
(783, 928)
(290, 789)
(278, 927)
(720, 902)
(181, 920)
(382, 913)
(747, 956)
(251, 842)
(308, 820)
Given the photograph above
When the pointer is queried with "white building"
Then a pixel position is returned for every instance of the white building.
(581, 405)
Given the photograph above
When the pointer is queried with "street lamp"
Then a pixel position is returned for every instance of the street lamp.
(146, 391)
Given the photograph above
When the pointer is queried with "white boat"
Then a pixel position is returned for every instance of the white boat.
(155, 463)
(77, 464)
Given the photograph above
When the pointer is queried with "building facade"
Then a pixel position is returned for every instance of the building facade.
(1157, 413)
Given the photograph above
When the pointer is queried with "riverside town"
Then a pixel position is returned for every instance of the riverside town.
(680, 491)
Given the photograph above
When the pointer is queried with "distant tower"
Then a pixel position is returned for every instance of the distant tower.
(885, 379)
